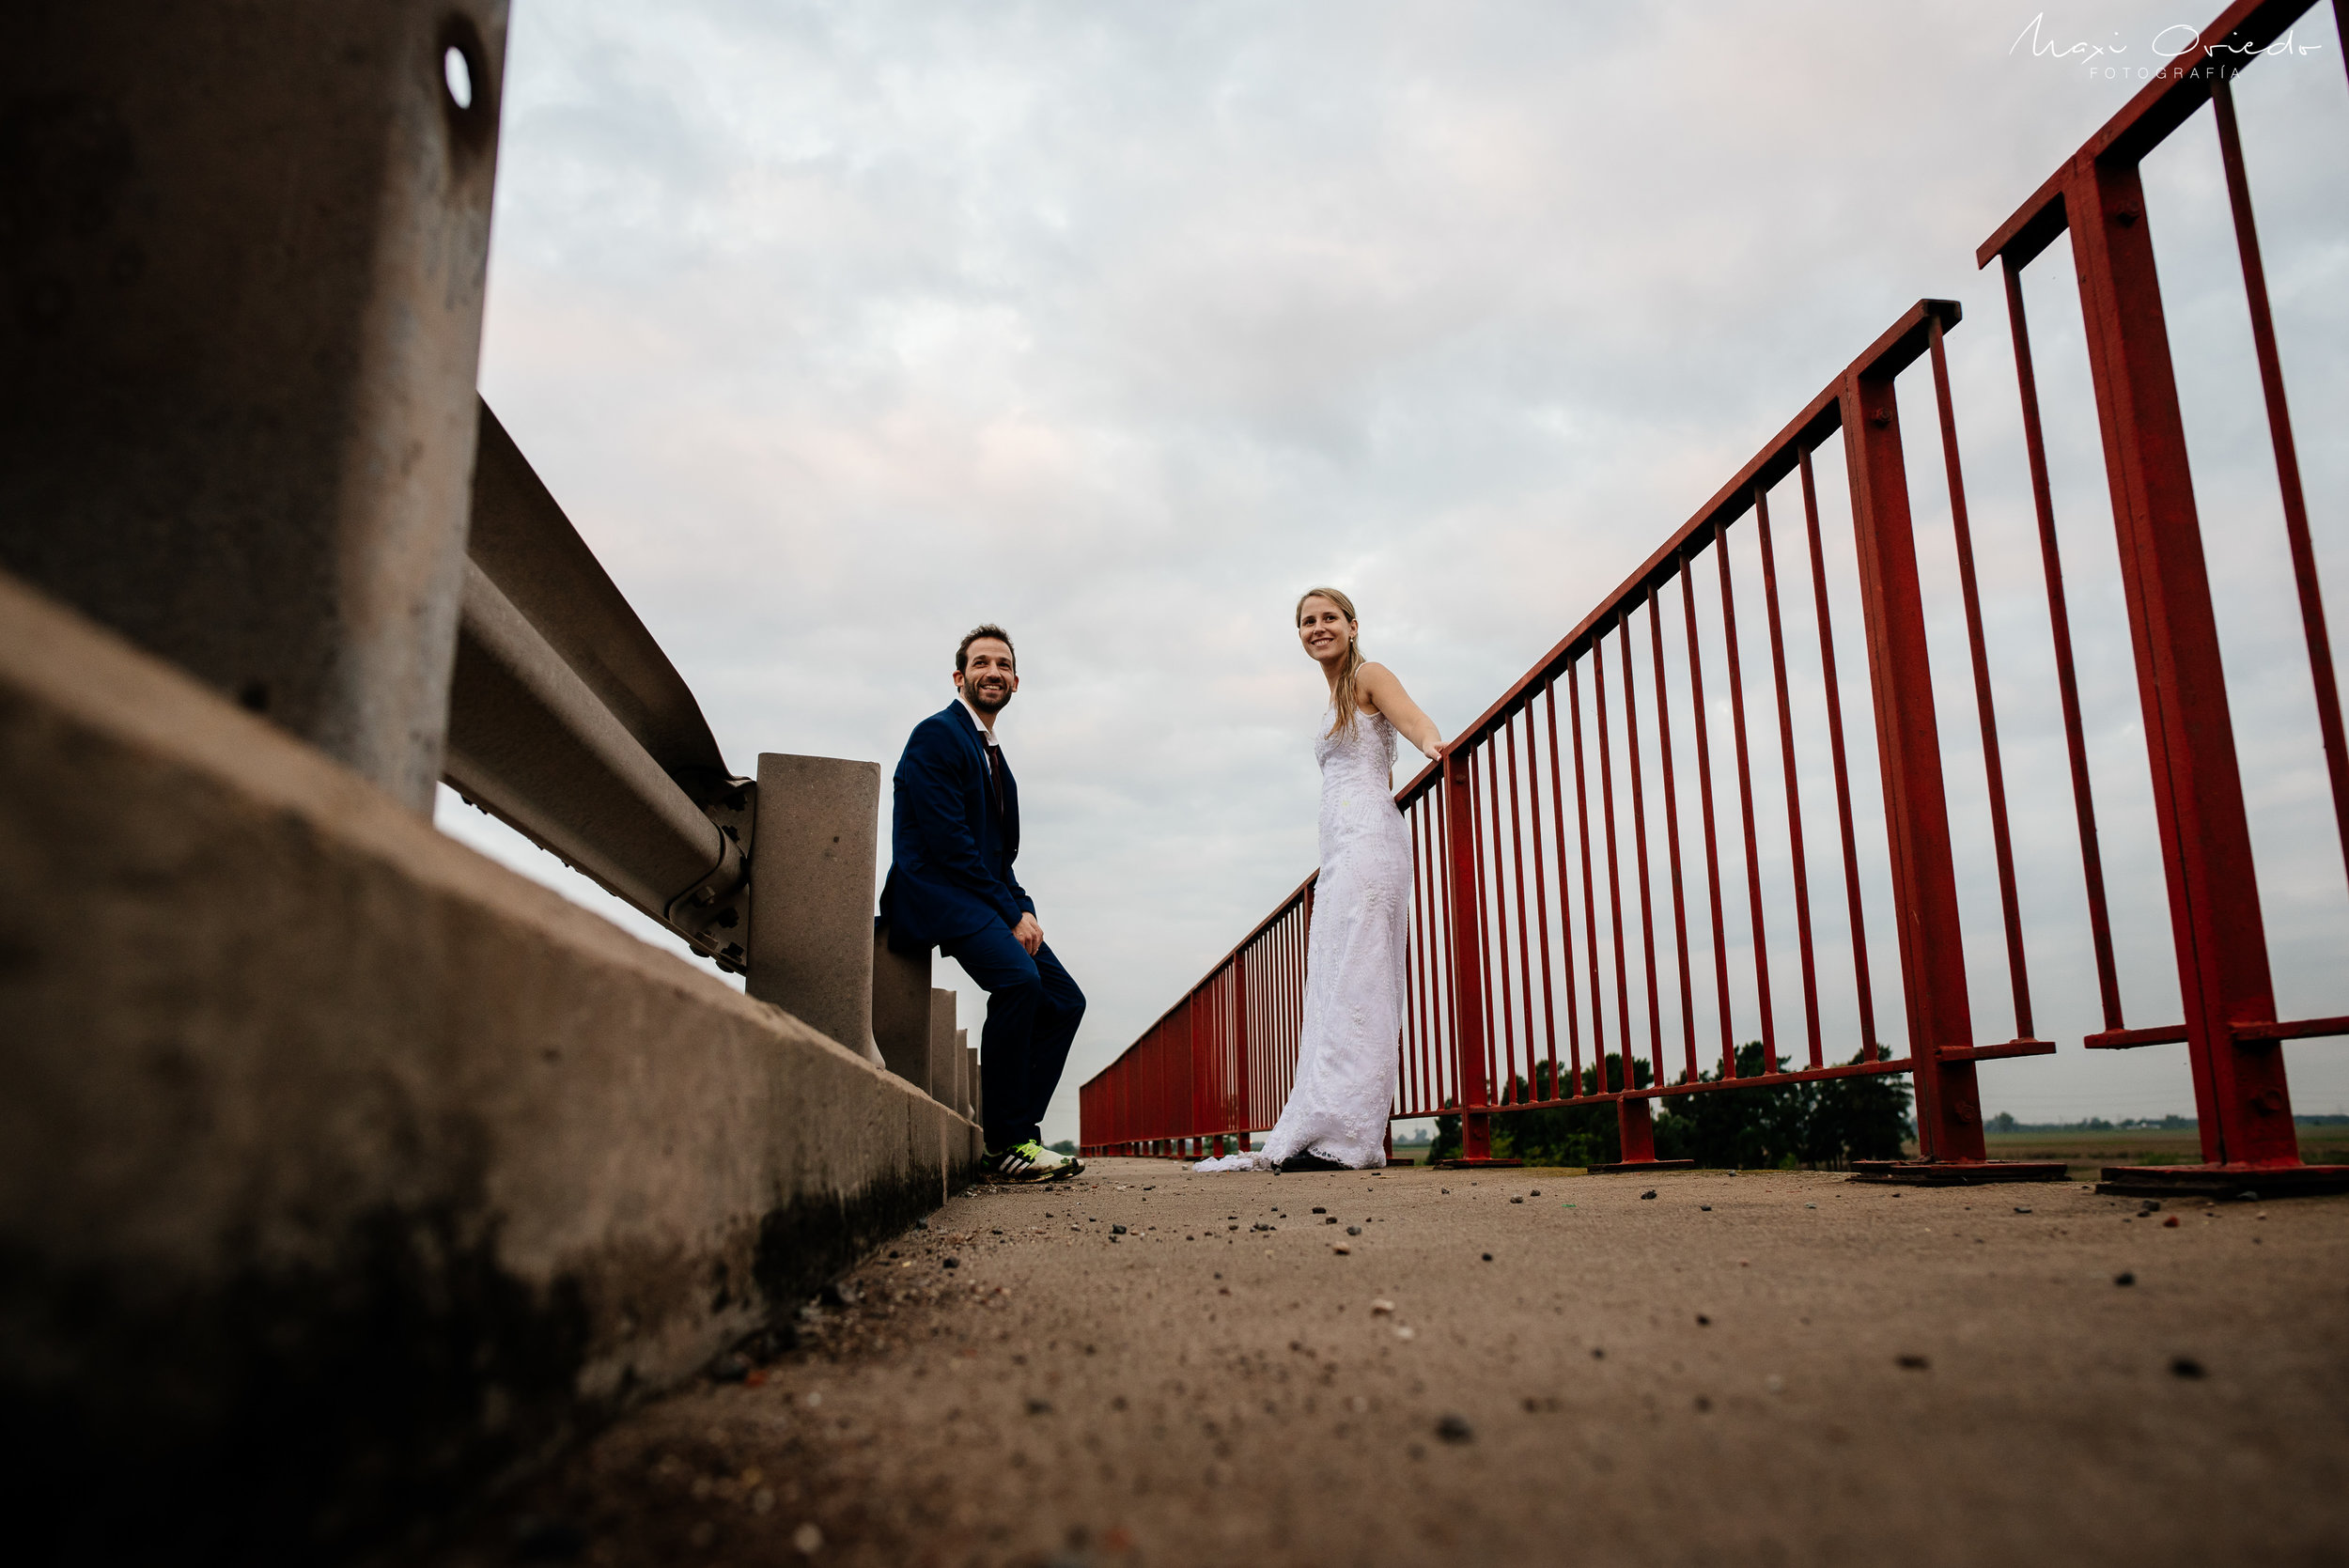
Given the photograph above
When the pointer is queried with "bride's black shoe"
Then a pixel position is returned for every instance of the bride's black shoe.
(1305, 1159)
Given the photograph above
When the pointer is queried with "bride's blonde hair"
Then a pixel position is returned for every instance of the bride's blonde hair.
(1350, 666)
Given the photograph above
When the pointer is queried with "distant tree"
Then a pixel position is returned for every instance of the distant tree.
(1823, 1123)
(2002, 1122)
(1574, 1133)
(1446, 1144)
(1065, 1147)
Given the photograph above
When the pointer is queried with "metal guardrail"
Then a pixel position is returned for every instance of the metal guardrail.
(1504, 968)
(568, 724)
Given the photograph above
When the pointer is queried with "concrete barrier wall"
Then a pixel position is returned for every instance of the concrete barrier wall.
(901, 1010)
(342, 1171)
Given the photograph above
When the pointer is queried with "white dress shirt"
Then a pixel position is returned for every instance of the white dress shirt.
(984, 729)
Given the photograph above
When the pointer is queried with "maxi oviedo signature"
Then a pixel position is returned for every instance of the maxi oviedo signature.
(2103, 60)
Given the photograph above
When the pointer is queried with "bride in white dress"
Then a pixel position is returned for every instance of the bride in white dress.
(1356, 955)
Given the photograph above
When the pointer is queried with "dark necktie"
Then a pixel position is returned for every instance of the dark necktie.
(995, 767)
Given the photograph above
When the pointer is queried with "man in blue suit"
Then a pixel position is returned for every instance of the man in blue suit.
(953, 835)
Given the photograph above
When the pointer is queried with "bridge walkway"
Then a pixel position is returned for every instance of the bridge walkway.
(1756, 1368)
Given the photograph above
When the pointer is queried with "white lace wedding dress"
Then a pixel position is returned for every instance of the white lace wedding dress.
(1355, 963)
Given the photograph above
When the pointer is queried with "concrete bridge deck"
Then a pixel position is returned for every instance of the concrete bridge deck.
(1723, 1374)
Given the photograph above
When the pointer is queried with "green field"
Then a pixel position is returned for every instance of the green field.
(2087, 1151)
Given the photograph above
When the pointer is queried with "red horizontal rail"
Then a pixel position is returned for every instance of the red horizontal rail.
(2176, 1033)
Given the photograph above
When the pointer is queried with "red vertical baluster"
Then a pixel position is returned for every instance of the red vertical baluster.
(1305, 979)
(1236, 1107)
(1672, 834)
(1425, 890)
(1440, 829)
(1590, 904)
(1639, 835)
(1279, 1061)
(1786, 767)
(1516, 858)
(2067, 684)
(1541, 900)
(1634, 1120)
(1415, 988)
(1505, 1078)
(1870, 1049)
(1744, 805)
(1427, 976)
(1492, 904)
(2019, 972)
(1431, 949)
(1566, 905)
(1218, 1111)
(1704, 794)
(1187, 1086)
(1206, 1048)
(2296, 504)
(1614, 872)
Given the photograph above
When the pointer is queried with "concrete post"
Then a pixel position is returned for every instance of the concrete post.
(958, 1091)
(810, 949)
(246, 249)
(901, 1009)
(970, 1074)
(941, 1063)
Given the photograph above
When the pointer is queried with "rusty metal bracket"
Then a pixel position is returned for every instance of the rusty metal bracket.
(714, 915)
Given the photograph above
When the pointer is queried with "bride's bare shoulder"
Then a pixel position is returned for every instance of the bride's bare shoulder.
(1371, 681)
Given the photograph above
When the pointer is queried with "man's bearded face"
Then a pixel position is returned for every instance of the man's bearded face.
(987, 676)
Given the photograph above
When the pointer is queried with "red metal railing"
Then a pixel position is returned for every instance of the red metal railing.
(1537, 971)
(2231, 1029)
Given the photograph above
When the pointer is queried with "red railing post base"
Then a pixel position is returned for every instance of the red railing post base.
(1476, 1144)
(1955, 1173)
(1635, 1128)
(2262, 1182)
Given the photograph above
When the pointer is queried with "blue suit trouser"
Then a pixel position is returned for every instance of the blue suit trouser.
(1033, 1010)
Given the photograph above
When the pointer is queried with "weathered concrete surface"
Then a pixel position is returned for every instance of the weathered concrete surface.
(970, 1074)
(245, 255)
(812, 895)
(946, 1059)
(342, 1171)
(901, 1009)
(1638, 1382)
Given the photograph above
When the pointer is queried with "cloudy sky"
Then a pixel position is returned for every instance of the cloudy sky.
(838, 328)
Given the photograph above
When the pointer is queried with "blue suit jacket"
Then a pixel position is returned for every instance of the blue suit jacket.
(949, 866)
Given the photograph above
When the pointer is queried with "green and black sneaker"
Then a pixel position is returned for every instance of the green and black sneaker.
(1030, 1162)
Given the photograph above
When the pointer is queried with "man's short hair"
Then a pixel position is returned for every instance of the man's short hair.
(962, 653)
